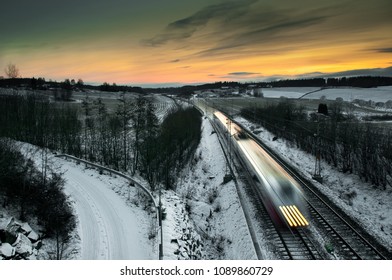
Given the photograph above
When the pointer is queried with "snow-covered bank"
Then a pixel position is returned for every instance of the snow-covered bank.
(215, 213)
(112, 222)
(367, 204)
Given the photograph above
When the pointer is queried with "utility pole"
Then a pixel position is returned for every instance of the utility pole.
(160, 224)
(317, 167)
(228, 175)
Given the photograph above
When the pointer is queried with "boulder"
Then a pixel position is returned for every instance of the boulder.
(25, 229)
(33, 236)
(6, 250)
(13, 227)
(23, 246)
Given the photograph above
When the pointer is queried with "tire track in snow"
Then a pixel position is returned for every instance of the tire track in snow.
(98, 239)
(108, 228)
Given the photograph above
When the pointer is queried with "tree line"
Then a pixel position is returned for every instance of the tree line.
(358, 81)
(68, 84)
(339, 138)
(188, 90)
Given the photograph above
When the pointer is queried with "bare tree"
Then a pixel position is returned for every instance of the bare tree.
(11, 71)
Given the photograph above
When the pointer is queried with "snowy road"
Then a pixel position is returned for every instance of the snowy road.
(108, 228)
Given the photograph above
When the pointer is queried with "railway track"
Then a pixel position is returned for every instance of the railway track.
(345, 241)
(286, 244)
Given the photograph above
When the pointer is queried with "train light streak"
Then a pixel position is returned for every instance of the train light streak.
(281, 192)
(302, 217)
(293, 216)
(297, 217)
(288, 216)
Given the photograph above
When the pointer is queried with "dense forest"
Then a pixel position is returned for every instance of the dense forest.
(339, 138)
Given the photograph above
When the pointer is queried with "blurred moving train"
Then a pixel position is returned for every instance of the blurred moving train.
(281, 194)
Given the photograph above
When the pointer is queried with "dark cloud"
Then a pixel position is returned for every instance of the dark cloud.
(364, 72)
(312, 75)
(383, 50)
(174, 61)
(236, 29)
(269, 33)
(239, 26)
(242, 73)
(357, 72)
(186, 27)
(243, 76)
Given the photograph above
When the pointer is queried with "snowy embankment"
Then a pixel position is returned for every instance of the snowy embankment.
(369, 205)
(112, 221)
(204, 210)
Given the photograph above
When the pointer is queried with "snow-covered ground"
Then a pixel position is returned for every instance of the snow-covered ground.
(203, 217)
(379, 94)
(108, 227)
(289, 92)
(369, 205)
(113, 223)
(206, 209)
(163, 105)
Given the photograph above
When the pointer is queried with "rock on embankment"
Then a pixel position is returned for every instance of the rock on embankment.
(18, 241)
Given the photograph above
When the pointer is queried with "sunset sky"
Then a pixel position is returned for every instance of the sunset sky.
(159, 42)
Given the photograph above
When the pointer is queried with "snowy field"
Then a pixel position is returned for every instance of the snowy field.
(379, 94)
(367, 204)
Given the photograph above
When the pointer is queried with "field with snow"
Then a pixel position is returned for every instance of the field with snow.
(379, 94)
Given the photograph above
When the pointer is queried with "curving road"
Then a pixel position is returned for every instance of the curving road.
(107, 227)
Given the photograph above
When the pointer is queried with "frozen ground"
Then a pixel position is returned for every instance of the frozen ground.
(369, 205)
